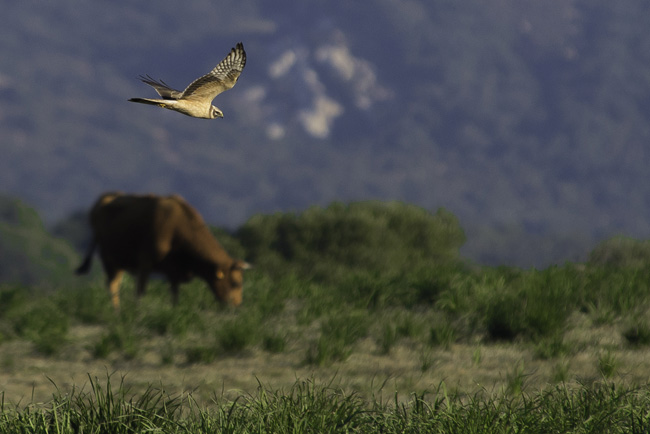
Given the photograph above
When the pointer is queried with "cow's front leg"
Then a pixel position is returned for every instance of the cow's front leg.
(114, 279)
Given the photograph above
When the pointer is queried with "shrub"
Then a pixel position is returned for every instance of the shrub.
(551, 347)
(44, 325)
(235, 334)
(504, 318)
(274, 342)
(621, 252)
(408, 326)
(536, 304)
(119, 337)
(320, 243)
(201, 354)
(618, 290)
(12, 296)
(89, 304)
(442, 335)
(338, 333)
(163, 319)
(638, 333)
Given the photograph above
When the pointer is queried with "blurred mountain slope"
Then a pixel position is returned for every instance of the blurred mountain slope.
(527, 120)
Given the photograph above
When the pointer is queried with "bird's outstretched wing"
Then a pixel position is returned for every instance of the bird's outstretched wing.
(221, 78)
(161, 87)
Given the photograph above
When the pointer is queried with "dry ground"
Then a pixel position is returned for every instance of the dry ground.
(26, 376)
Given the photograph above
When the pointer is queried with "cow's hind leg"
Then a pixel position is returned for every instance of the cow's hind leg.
(174, 290)
(143, 279)
(114, 280)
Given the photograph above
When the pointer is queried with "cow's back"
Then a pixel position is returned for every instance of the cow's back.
(191, 233)
(124, 228)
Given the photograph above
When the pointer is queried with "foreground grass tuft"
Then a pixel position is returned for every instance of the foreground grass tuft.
(309, 406)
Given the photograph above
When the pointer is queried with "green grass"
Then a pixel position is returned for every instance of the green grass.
(461, 305)
(560, 372)
(387, 339)
(328, 277)
(236, 334)
(274, 342)
(42, 324)
(316, 297)
(607, 364)
(118, 338)
(338, 333)
(310, 407)
(381, 279)
(638, 332)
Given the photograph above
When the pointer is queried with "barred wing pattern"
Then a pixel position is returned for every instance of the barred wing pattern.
(221, 78)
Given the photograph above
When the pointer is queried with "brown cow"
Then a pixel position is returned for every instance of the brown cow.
(142, 234)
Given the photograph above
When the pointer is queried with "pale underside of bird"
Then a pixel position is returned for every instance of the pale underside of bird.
(196, 99)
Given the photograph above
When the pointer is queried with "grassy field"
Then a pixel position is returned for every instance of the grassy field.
(308, 406)
(398, 368)
(347, 324)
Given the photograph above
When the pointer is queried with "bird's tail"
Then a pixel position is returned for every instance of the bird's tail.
(158, 102)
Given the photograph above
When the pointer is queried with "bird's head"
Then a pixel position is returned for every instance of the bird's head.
(215, 113)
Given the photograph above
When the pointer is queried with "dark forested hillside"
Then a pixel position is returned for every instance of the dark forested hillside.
(527, 120)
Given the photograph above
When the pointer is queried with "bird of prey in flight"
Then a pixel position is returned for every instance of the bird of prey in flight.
(196, 99)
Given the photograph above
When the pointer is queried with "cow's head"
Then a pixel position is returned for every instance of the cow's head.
(228, 283)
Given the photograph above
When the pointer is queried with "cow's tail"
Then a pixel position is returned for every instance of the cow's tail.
(84, 268)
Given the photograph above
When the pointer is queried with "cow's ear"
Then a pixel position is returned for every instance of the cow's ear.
(220, 274)
(241, 265)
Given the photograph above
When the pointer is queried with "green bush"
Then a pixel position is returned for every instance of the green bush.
(325, 243)
(89, 304)
(44, 325)
(12, 296)
(274, 342)
(638, 332)
(534, 304)
(621, 252)
(165, 319)
(201, 353)
(30, 255)
(551, 347)
(504, 316)
(119, 337)
(442, 335)
(619, 290)
(236, 334)
(338, 333)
